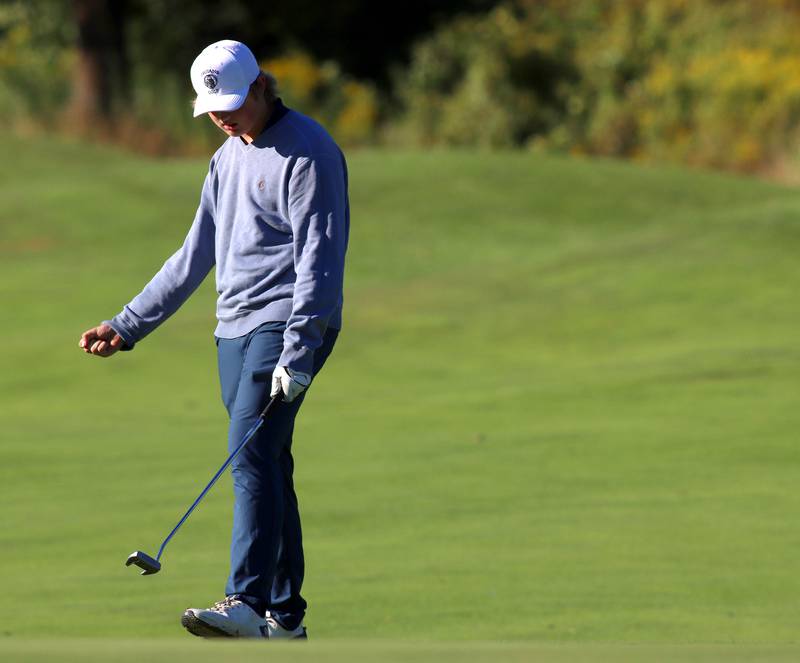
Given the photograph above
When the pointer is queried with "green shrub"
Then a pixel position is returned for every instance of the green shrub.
(35, 61)
(485, 81)
(703, 81)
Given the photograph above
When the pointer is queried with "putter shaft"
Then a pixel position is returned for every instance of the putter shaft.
(151, 565)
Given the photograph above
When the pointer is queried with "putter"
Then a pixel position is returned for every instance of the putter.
(149, 565)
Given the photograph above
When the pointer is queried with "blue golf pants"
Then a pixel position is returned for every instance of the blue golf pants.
(267, 544)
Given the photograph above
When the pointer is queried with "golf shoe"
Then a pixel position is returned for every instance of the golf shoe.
(229, 618)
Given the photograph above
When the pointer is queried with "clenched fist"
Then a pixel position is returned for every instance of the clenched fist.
(102, 341)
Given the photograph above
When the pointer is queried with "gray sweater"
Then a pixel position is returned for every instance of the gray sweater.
(274, 217)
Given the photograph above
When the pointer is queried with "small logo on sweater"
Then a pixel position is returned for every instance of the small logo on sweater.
(261, 185)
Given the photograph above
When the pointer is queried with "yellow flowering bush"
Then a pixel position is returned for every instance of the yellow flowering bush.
(348, 108)
(701, 81)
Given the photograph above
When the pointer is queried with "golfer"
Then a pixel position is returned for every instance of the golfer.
(274, 218)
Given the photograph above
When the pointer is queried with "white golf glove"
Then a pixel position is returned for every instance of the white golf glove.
(291, 383)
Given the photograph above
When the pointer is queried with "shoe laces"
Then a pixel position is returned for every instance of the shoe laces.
(227, 602)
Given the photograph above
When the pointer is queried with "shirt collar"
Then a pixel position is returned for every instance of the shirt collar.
(278, 111)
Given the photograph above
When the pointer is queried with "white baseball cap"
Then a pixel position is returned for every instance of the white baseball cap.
(221, 76)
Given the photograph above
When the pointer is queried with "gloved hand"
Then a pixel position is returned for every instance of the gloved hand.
(291, 383)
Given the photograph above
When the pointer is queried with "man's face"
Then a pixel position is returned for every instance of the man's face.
(242, 120)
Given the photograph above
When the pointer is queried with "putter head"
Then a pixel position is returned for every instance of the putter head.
(148, 565)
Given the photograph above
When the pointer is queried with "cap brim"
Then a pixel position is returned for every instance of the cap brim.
(219, 102)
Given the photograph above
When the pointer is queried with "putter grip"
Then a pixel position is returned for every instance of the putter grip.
(277, 398)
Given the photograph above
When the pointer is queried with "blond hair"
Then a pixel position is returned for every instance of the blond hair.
(271, 88)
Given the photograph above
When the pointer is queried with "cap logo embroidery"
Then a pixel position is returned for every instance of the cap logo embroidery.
(210, 80)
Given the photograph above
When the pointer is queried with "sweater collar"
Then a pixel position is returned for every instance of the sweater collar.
(278, 112)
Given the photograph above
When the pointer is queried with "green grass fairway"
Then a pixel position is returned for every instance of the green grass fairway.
(78, 650)
(561, 416)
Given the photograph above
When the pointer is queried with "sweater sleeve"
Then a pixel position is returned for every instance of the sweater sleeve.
(177, 279)
(318, 211)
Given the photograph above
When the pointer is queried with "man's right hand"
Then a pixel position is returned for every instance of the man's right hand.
(102, 341)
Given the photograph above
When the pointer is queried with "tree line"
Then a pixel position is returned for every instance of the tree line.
(705, 82)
